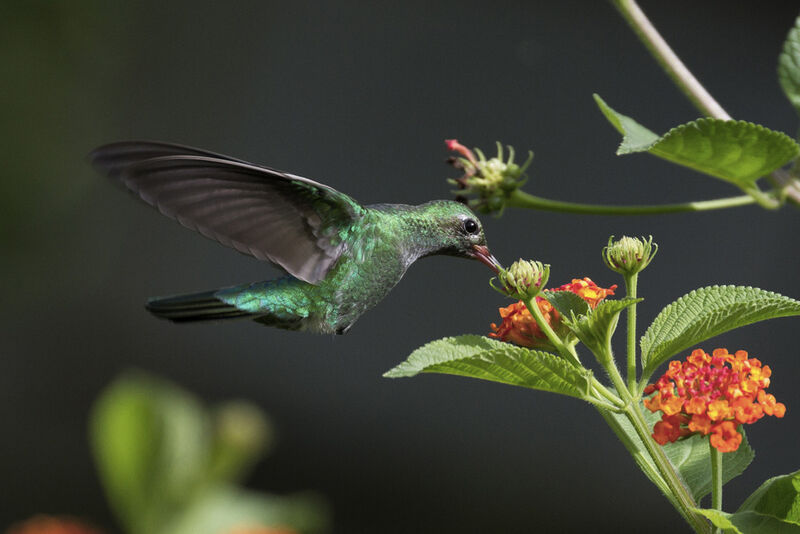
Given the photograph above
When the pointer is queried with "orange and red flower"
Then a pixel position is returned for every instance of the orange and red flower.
(44, 524)
(519, 326)
(711, 395)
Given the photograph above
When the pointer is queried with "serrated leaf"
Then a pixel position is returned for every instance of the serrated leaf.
(689, 456)
(567, 302)
(445, 349)
(789, 66)
(705, 313)
(486, 359)
(739, 152)
(595, 329)
(778, 497)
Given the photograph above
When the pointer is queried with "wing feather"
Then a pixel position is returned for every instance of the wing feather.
(289, 220)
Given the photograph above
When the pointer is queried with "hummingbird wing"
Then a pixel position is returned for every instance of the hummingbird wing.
(296, 223)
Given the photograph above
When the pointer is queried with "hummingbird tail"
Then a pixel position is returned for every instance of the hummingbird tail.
(193, 307)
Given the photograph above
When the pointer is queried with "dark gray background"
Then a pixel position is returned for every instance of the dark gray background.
(360, 96)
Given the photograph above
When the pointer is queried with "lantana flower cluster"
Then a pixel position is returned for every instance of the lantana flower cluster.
(519, 326)
(711, 395)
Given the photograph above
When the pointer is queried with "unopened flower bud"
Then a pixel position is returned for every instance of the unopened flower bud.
(629, 255)
(524, 279)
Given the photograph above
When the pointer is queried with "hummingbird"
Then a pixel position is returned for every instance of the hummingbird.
(341, 257)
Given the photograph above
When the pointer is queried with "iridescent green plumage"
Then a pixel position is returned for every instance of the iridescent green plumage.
(342, 258)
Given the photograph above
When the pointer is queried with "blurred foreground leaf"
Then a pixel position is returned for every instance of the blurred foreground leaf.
(163, 458)
(789, 66)
(227, 509)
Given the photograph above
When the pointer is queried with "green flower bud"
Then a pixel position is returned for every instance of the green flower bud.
(524, 279)
(629, 255)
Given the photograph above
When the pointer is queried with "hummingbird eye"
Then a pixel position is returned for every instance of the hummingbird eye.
(470, 226)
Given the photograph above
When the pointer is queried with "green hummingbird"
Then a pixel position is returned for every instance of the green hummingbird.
(342, 258)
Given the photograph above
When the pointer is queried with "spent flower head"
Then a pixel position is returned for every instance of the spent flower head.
(524, 279)
(629, 255)
(489, 181)
(518, 325)
(711, 395)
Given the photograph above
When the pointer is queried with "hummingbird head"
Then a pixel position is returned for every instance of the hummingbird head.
(462, 233)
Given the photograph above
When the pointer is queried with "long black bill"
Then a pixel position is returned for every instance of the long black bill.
(482, 254)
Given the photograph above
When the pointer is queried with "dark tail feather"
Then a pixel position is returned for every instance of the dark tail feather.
(193, 307)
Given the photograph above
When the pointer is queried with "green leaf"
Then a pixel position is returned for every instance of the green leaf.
(635, 137)
(567, 302)
(778, 497)
(749, 523)
(739, 152)
(241, 436)
(595, 329)
(226, 508)
(719, 520)
(789, 66)
(705, 313)
(449, 348)
(486, 359)
(689, 456)
(150, 445)
(692, 458)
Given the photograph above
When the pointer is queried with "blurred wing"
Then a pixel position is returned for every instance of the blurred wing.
(294, 222)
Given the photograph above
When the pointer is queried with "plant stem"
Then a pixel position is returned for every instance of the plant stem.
(568, 352)
(694, 90)
(521, 199)
(673, 487)
(631, 281)
(682, 498)
(716, 478)
(668, 60)
(603, 391)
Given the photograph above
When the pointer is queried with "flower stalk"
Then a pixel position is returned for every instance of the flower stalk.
(521, 199)
(567, 351)
(716, 477)
(683, 500)
(669, 60)
(631, 282)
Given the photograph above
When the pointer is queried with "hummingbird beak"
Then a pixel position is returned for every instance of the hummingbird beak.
(482, 254)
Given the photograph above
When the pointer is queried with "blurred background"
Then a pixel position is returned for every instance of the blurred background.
(360, 96)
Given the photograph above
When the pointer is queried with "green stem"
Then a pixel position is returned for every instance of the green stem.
(567, 351)
(716, 478)
(631, 282)
(669, 61)
(521, 199)
(638, 455)
(683, 78)
(682, 498)
(603, 391)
